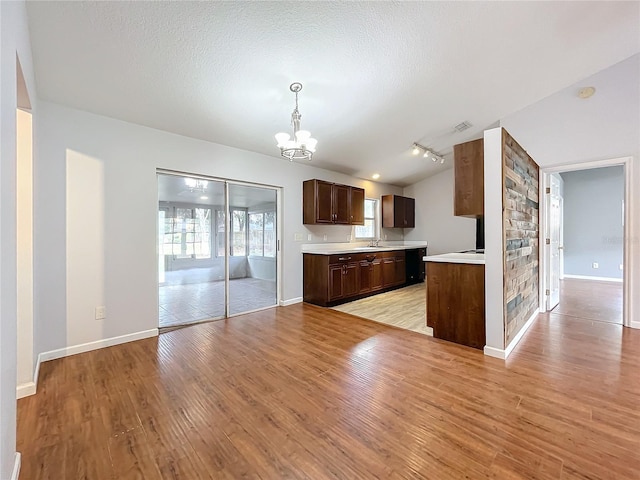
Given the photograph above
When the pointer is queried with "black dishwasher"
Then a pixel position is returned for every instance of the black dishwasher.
(415, 265)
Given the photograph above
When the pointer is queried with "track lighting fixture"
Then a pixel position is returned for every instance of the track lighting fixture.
(427, 153)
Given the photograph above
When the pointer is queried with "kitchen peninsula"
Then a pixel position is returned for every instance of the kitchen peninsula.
(455, 297)
(335, 273)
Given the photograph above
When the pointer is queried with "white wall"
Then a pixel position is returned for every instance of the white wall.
(121, 159)
(14, 39)
(24, 259)
(493, 240)
(435, 222)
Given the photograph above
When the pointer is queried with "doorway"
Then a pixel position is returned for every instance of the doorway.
(217, 248)
(585, 223)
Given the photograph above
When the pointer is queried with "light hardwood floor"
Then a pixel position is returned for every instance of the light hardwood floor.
(402, 308)
(302, 392)
(591, 300)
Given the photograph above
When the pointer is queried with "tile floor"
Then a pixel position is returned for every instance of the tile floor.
(194, 302)
(403, 308)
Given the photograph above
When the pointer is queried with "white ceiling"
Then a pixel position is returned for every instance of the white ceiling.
(377, 76)
(565, 129)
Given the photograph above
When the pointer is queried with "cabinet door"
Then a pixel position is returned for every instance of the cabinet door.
(409, 212)
(399, 211)
(350, 283)
(376, 274)
(365, 276)
(335, 281)
(400, 271)
(388, 271)
(357, 206)
(468, 164)
(323, 200)
(341, 204)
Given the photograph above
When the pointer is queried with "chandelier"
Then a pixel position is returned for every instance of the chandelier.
(302, 147)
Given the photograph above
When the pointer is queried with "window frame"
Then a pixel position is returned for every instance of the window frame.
(374, 220)
(263, 213)
(170, 209)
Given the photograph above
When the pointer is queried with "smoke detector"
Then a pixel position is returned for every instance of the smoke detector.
(586, 92)
(461, 127)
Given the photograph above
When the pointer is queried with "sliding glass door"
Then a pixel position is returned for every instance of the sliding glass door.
(217, 249)
(253, 248)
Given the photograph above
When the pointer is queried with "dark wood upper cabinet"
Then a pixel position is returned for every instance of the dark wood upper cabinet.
(357, 206)
(468, 198)
(398, 211)
(331, 203)
(341, 204)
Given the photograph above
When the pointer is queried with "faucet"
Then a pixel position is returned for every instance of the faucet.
(374, 243)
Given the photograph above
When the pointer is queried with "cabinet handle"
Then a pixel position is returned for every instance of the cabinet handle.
(344, 258)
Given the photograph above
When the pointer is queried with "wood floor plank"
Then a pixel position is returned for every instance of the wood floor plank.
(303, 392)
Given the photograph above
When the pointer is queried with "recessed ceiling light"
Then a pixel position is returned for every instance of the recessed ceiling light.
(586, 92)
(204, 197)
(375, 176)
(415, 150)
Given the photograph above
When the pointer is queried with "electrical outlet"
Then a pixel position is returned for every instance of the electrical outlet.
(595, 265)
(297, 237)
(101, 313)
(309, 238)
(324, 237)
(385, 236)
(620, 266)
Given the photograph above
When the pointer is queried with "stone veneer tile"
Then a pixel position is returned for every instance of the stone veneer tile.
(520, 235)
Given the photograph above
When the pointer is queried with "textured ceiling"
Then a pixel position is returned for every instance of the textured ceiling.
(377, 76)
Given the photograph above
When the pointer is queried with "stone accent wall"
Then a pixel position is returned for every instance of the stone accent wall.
(520, 215)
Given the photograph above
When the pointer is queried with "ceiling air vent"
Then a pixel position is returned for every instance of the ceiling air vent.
(461, 127)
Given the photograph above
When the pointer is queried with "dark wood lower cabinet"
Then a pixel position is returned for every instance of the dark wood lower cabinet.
(343, 280)
(455, 302)
(333, 279)
(370, 275)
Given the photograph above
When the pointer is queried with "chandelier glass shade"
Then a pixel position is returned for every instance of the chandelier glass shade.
(301, 146)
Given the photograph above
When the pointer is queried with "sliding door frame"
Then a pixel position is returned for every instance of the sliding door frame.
(227, 182)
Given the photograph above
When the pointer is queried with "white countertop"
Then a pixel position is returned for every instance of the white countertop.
(340, 248)
(475, 258)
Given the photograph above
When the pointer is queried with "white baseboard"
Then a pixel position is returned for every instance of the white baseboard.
(36, 372)
(520, 334)
(291, 301)
(25, 389)
(635, 325)
(16, 467)
(588, 277)
(503, 354)
(29, 388)
(87, 347)
(494, 352)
